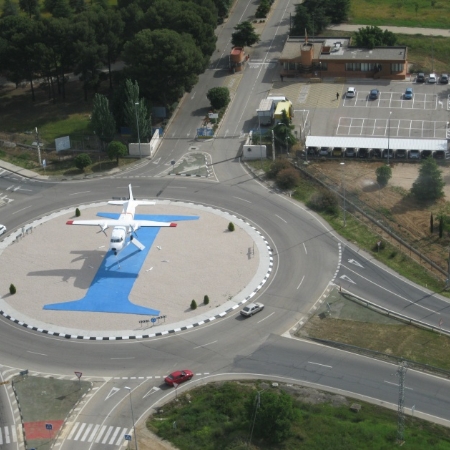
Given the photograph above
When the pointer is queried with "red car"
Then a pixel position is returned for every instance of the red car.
(178, 377)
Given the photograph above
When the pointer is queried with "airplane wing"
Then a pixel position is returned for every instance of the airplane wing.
(113, 223)
(100, 223)
(151, 223)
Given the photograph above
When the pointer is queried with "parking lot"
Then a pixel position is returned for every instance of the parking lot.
(351, 126)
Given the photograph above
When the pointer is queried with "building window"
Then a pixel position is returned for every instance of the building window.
(367, 67)
(397, 67)
(292, 66)
(323, 66)
(353, 67)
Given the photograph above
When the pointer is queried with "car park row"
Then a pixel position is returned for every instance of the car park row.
(340, 152)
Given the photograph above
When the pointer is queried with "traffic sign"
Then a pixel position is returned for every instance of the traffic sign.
(153, 320)
(78, 374)
(48, 426)
(128, 437)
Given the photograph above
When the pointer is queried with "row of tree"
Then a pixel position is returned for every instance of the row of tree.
(165, 43)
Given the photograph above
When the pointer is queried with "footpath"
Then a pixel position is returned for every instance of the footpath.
(400, 30)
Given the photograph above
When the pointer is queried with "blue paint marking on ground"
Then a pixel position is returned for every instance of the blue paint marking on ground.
(112, 285)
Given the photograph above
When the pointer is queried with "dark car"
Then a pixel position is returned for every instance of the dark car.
(312, 150)
(420, 78)
(376, 152)
(374, 94)
(401, 153)
(408, 95)
(444, 78)
(387, 152)
(426, 154)
(350, 152)
(363, 153)
(178, 377)
(324, 151)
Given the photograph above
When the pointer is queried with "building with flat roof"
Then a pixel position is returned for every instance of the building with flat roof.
(335, 57)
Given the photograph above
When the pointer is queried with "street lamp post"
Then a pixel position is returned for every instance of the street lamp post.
(137, 125)
(343, 187)
(260, 138)
(132, 418)
(38, 144)
(389, 135)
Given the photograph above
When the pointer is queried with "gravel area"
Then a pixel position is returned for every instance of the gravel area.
(57, 263)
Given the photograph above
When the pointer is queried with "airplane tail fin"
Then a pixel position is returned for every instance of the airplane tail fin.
(130, 192)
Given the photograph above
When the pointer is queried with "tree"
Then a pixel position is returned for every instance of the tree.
(429, 184)
(193, 304)
(135, 109)
(116, 150)
(370, 37)
(82, 160)
(205, 300)
(10, 9)
(102, 119)
(273, 415)
(278, 165)
(441, 218)
(384, 174)
(283, 137)
(31, 7)
(244, 36)
(219, 97)
(431, 223)
(164, 63)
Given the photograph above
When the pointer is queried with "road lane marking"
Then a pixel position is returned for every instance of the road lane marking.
(23, 209)
(113, 391)
(266, 317)
(35, 353)
(318, 364)
(346, 278)
(304, 246)
(128, 357)
(301, 282)
(85, 192)
(243, 199)
(280, 218)
(396, 384)
(204, 345)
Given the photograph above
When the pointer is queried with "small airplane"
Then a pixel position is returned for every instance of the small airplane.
(125, 225)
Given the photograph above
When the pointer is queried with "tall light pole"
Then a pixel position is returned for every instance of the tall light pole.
(260, 138)
(343, 186)
(132, 418)
(389, 134)
(137, 125)
(38, 146)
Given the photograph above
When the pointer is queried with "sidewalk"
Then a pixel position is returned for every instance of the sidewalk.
(401, 30)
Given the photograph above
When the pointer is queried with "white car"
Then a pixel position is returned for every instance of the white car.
(251, 309)
(2, 229)
(432, 78)
(351, 92)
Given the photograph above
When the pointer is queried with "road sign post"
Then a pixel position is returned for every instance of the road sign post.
(49, 427)
(78, 374)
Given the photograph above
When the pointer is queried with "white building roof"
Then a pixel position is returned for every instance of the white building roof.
(365, 142)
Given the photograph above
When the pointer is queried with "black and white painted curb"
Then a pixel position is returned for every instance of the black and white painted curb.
(19, 233)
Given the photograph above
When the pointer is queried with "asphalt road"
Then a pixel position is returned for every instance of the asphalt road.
(306, 258)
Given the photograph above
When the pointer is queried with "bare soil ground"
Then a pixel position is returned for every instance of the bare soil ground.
(392, 204)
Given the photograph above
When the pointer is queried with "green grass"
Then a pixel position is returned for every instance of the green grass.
(216, 419)
(401, 13)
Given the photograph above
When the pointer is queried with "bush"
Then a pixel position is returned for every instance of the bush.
(205, 300)
(263, 9)
(278, 165)
(231, 226)
(82, 160)
(288, 178)
(384, 174)
(324, 201)
(77, 213)
(12, 289)
(193, 304)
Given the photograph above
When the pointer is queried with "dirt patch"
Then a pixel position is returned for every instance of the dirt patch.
(392, 205)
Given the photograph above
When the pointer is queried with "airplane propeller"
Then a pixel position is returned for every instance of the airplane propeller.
(103, 227)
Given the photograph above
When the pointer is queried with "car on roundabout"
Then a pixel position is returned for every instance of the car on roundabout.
(251, 309)
(177, 377)
(2, 229)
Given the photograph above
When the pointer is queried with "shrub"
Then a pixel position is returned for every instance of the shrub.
(231, 226)
(12, 289)
(77, 213)
(193, 304)
(324, 201)
(205, 300)
(384, 174)
(277, 166)
(288, 178)
(263, 9)
(82, 160)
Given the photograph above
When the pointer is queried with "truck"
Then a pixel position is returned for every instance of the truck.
(265, 111)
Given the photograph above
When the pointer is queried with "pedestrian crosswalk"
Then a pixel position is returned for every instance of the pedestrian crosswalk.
(99, 434)
(8, 435)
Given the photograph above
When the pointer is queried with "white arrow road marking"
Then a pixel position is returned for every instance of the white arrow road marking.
(346, 278)
(113, 391)
(156, 161)
(356, 263)
(9, 188)
(16, 189)
(152, 391)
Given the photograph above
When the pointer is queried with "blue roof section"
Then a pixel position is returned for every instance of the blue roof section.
(111, 286)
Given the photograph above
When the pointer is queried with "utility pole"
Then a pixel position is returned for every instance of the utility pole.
(38, 146)
(401, 373)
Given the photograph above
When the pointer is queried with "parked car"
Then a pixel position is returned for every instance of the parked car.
(387, 152)
(251, 309)
(444, 78)
(364, 152)
(432, 78)
(351, 92)
(400, 153)
(2, 229)
(420, 78)
(374, 94)
(414, 154)
(426, 154)
(324, 151)
(179, 376)
(311, 150)
(337, 151)
(376, 152)
(350, 152)
(439, 154)
(408, 95)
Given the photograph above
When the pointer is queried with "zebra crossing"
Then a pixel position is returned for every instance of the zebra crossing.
(8, 434)
(99, 434)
